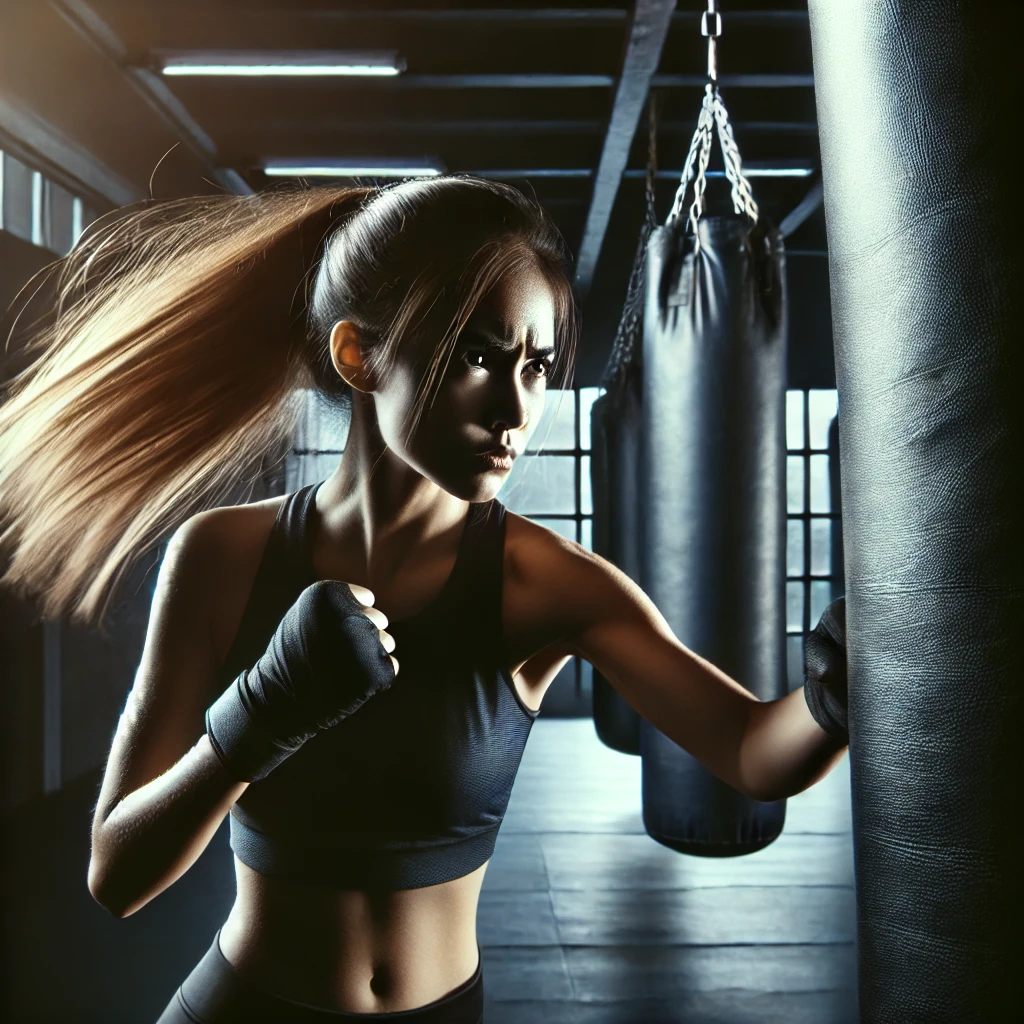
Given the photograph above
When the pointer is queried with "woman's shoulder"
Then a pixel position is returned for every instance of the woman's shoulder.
(215, 554)
(551, 579)
(545, 577)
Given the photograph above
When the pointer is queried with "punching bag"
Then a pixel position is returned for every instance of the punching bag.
(615, 425)
(713, 491)
(918, 107)
(615, 480)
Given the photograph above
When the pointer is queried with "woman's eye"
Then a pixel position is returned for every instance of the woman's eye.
(539, 367)
(476, 358)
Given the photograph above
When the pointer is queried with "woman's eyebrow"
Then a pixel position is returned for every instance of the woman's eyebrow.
(502, 343)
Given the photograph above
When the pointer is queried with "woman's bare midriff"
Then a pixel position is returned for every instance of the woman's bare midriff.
(353, 951)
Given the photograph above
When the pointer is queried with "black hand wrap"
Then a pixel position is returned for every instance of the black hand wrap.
(825, 671)
(324, 661)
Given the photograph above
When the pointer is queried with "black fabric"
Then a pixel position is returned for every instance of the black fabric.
(216, 993)
(411, 789)
(713, 499)
(614, 468)
(324, 661)
(919, 111)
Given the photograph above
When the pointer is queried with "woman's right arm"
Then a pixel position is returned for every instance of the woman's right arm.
(165, 792)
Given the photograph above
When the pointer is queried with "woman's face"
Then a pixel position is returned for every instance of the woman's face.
(490, 397)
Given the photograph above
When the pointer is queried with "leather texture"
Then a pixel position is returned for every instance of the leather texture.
(615, 425)
(919, 109)
(713, 493)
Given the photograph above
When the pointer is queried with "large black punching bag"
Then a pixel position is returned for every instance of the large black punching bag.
(615, 425)
(713, 491)
(919, 108)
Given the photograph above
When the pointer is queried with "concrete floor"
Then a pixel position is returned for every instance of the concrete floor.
(583, 918)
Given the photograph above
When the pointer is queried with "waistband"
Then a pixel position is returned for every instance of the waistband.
(216, 993)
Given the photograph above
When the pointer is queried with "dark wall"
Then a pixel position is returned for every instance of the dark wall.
(811, 363)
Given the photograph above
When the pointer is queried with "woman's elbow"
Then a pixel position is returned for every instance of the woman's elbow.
(109, 893)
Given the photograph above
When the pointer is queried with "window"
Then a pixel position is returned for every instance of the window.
(813, 524)
(38, 210)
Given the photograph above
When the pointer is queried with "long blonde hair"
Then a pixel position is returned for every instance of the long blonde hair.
(180, 330)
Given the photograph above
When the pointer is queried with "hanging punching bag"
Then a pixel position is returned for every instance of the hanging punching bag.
(615, 479)
(918, 107)
(615, 425)
(713, 482)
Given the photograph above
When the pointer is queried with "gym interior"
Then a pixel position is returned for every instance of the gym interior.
(871, 144)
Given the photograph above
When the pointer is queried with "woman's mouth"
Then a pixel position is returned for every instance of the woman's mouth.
(497, 459)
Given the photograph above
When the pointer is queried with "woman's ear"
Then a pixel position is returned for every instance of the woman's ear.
(348, 356)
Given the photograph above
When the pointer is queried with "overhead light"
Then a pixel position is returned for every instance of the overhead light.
(353, 169)
(776, 172)
(750, 172)
(281, 63)
(536, 172)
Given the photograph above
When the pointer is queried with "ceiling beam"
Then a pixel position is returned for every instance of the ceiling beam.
(45, 148)
(541, 15)
(484, 81)
(81, 16)
(802, 210)
(769, 81)
(646, 36)
(507, 126)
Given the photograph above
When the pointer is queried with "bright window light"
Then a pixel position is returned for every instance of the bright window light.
(303, 64)
(352, 170)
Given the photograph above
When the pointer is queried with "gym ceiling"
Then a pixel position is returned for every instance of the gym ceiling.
(551, 97)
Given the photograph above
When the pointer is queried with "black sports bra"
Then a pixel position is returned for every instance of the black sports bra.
(411, 789)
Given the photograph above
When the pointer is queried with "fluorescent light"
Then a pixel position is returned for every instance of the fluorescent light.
(285, 63)
(750, 172)
(535, 172)
(352, 170)
(776, 172)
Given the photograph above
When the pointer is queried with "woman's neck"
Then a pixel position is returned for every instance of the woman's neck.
(378, 507)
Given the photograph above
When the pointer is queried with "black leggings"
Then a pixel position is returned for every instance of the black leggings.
(215, 993)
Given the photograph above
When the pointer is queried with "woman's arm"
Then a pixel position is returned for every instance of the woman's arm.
(767, 750)
(156, 833)
(164, 791)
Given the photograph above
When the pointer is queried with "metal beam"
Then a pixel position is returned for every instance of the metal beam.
(477, 81)
(84, 20)
(47, 149)
(508, 126)
(647, 31)
(802, 210)
(769, 81)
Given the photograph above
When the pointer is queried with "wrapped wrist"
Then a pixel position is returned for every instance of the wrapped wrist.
(246, 749)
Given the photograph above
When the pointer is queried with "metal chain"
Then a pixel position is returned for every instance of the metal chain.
(626, 345)
(701, 142)
(742, 196)
(712, 114)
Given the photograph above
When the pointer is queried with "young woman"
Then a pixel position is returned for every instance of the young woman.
(363, 735)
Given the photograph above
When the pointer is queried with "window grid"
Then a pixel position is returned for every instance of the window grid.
(807, 517)
(37, 209)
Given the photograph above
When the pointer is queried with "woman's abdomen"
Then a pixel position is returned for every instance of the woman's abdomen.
(360, 952)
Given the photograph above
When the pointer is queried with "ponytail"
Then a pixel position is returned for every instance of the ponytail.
(158, 384)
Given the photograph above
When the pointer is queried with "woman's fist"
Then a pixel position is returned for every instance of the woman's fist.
(327, 657)
(825, 671)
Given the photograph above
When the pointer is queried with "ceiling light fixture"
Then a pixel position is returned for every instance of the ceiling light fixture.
(285, 63)
(350, 169)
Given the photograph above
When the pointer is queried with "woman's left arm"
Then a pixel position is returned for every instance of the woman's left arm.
(767, 750)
